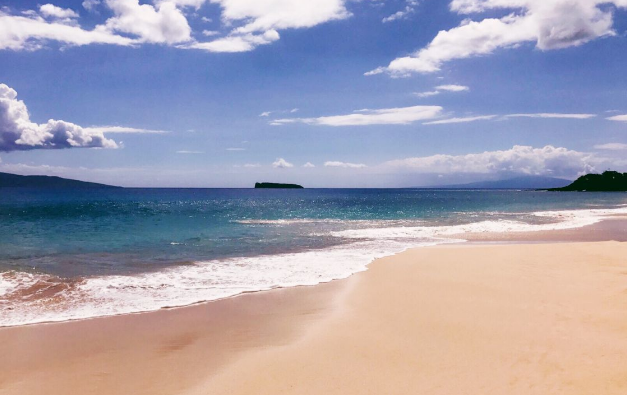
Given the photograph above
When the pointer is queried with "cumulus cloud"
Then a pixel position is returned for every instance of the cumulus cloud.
(346, 165)
(265, 15)
(547, 24)
(552, 115)
(281, 163)
(611, 146)
(619, 118)
(184, 152)
(386, 116)
(32, 32)
(523, 160)
(159, 23)
(461, 120)
(252, 165)
(441, 88)
(249, 23)
(52, 11)
(90, 5)
(309, 165)
(17, 132)
(236, 149)
(257, 22)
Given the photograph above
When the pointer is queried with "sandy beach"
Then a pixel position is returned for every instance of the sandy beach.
(525, 318)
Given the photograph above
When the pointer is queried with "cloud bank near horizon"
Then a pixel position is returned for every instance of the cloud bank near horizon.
(519, 160)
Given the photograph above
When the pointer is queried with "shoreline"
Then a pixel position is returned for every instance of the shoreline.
(608, 227)
(205, 341)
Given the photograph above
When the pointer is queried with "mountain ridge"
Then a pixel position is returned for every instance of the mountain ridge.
(9, 180)
(522, 182)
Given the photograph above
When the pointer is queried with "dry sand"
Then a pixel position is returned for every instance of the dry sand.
(520, 319)
(468, 319)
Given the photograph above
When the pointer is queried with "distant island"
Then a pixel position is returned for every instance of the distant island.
(522, 182)
(609, 181)
(8, 180)
(274, 185)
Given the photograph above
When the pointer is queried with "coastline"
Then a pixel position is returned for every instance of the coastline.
(209, 345)
(203, 281)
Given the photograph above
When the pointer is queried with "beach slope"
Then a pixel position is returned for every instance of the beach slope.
(516, 319)
(462, 319)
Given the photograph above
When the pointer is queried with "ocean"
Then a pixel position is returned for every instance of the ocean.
(75, 254)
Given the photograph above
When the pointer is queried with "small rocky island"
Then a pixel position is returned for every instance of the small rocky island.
(609, 181)
(274, 185)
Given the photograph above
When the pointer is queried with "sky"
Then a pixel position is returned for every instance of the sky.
(325, 93)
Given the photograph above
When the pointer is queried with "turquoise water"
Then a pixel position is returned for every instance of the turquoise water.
(76, 254)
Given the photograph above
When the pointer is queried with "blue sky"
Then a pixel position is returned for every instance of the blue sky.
(372, 93)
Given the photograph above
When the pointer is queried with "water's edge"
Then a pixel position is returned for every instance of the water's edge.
(189, 285)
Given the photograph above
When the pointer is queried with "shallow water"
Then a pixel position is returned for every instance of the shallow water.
(78, 254)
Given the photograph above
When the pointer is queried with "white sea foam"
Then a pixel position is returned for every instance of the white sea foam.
(211, 280)
(566, 219)
(290, 221)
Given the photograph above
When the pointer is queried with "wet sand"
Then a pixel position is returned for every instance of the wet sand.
(527, 318)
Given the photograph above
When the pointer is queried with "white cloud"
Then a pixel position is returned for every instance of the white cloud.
(161, 23)
(346, 165)
(186, 3)
(612, 146)
(250, 23)
(281, 163)
(184, 152)
(386, 116)
(549, 160)
(257, 22)
(268, 113)
(90, 5)
(619, 118)
(123, 130)
(409, 9)
(17, 132)
(549, 24)
(237, 43)
(264, 15)
(552, 115)
(52, 11)
(461, 120)
(452, 88)
(252, 165)
(32, 32)
(427, 93)
(236, 149)
(309, 165)
(445, 88)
